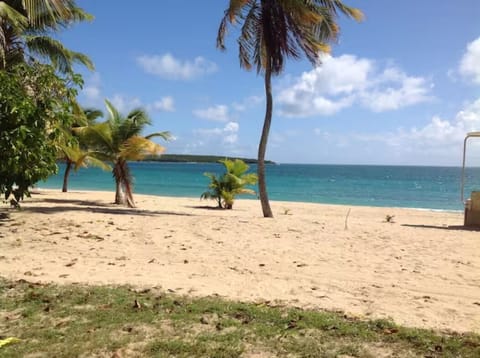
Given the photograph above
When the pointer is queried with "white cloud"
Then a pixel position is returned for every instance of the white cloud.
(445, 132)
(247, 103)
(218, 113)
(228, 134)
(169, 67)
(439, 141)
(165, 104)
(125, 104)
(470, 63)
(411, 90)
(340, 82)
(92, 90)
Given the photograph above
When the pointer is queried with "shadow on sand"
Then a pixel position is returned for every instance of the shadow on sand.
(66, 205)
(205, 207)
(450, 227)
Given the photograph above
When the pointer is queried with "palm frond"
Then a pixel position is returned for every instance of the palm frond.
(53, 50)
(276, 29)
(166, 135)
(136, 148)
(12, 17)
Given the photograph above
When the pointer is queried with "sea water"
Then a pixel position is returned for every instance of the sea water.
(384, 186)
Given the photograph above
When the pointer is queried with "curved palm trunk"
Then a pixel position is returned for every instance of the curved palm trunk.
(262, 147)
(68, 168)
(123, 194)
(127, 185)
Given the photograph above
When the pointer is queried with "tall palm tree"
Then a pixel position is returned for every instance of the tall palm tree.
(273, 30)
(26, 27)
(119, 140)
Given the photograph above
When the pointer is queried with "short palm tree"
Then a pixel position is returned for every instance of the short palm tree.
(273, 30)
(119, 140)
(26, 28)
(74, 151)
(225, 188)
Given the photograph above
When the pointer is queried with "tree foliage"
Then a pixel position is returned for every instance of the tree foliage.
(233, 182)
(26, 29)
(75, 152)
(35, 108)
(270, 32)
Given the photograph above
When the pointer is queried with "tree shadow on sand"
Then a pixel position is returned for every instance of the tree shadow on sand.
(69, 205)
(449, 227)
(205, 207)
(4, 217)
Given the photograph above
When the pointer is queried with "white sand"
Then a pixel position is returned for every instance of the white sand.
(422, 270)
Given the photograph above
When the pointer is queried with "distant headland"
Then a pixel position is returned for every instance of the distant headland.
(189, 158)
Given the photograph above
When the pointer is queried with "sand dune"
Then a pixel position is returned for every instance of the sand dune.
(422, 270)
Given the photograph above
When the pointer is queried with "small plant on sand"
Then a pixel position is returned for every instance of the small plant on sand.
(225, 188)
(389, 218)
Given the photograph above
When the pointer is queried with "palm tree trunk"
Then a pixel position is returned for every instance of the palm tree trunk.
(68, 168)
(128, 185)
(119, 194)
(262, 147)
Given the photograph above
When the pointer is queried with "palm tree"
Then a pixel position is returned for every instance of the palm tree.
(232, 183)
(75, 153)
(26, 27)
(273, 30)
(119, 140)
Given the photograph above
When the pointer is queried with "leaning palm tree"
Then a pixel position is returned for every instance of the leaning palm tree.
(74, 151)
(273, 30)
(26, 28)
(119, 140)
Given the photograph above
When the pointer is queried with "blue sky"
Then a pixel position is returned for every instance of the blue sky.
(402, 87)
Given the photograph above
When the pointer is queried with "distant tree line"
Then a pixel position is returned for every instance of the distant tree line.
(190, 158)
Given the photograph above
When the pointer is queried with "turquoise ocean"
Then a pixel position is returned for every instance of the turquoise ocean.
(383, 186)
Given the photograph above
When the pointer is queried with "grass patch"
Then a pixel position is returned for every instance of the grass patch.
(74, 320)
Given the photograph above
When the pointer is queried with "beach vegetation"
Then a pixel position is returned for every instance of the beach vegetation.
(118, 140)
(192, 158)
(389, 218)
(26, 30)
(273, 30)
(233, 182)
(78, 320)
(36, 106)
(75, 152)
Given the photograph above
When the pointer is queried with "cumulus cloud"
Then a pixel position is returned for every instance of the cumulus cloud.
(125, 104)
(169, 67)
(92, 90)
(165, 104)
(228, 134)
(470, 62)
(341, 82)
(218, 113)
(440, 140)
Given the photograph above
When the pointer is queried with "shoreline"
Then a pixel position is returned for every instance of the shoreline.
(421, 270)
(240, 198)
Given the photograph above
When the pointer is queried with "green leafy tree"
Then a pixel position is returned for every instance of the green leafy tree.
(119, 140)
(26, 28)
(233, 182)
(35, 107)
(273, 30)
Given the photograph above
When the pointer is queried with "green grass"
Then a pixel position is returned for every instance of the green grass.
(71, 321)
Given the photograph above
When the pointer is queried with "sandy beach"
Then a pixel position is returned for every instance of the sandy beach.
(422, 269)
